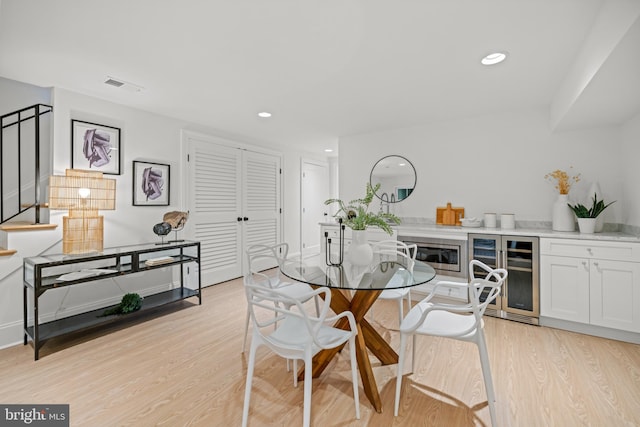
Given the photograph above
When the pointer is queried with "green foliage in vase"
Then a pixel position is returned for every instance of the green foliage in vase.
(581, 211)
(129, 304)
(356, 214)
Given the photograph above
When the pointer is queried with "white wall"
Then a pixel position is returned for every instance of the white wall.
(147, 136)
(16, 95)
(631, 171)
(144, 136)
(493, 163)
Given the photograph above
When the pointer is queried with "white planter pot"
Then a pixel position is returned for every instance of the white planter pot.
(587, 225)
(562, 218)
(595, 189)
(360, 251)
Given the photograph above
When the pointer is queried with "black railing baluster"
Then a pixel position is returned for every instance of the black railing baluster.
(20, 162)
(37, 165)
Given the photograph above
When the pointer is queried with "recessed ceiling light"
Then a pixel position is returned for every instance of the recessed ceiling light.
(264, 114)
(328, 150)
(494, 58)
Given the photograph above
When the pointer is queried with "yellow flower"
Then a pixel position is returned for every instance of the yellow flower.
(563, 180)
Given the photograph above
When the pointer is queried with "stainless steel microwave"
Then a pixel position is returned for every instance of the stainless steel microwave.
(447, 256)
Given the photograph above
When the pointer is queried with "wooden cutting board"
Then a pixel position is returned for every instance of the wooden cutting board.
(449, 215)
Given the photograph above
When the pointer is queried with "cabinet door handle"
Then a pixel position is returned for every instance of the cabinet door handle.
(239, 218)
(584, 264)
(245, 219)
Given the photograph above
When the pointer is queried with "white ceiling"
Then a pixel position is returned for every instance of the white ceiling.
(325, 69)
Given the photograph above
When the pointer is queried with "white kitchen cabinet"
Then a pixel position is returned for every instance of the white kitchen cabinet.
(591, 282)
(615, 294)
(564, 288)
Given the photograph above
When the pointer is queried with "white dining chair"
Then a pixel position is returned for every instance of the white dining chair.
(392, 250)
(259, 256)
(284, 325)
(460, 321)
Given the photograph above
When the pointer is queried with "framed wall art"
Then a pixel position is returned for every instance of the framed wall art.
(95, 147)
(150, 184)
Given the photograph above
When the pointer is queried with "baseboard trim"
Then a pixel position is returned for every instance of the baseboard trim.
(597, 331)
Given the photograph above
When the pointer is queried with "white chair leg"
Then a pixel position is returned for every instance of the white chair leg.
(354, 375)
(403, 342)
(413, 353)
(295, 372)
(246, 330)
(400, 311)
(247, 387)
(488, 381)
(306, 409)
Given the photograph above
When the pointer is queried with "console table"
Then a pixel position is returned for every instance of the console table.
(46, 272)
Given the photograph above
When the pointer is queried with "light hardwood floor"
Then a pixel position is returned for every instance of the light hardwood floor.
(185, 367)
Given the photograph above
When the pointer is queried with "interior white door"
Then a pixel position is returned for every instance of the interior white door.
(315, 190)
(234, 200)
(215, 208)
(262, 209)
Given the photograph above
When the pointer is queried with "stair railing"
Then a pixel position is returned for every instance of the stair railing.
(20, 151)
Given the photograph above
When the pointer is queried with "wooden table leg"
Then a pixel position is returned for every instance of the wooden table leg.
(367, 338)
(366, 372)
(361, 303)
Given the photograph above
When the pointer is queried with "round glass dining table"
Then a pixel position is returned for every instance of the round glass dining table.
(355, 288)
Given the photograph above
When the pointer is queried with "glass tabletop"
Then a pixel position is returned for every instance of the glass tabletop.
(379, 275)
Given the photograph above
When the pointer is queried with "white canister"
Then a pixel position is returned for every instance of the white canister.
(507, 221)
(490, 220)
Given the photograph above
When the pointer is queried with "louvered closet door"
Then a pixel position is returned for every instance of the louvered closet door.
(234, 201)
(261, 200)
(214, 199)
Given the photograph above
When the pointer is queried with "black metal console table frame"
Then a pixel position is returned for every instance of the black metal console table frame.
(42, 273)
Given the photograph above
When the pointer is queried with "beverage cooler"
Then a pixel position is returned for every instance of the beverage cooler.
(519, 298)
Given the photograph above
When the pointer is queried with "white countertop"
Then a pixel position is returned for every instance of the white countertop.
(460, 233)
(448, 232)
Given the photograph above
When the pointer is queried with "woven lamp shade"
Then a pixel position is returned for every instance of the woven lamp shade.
(83, 193)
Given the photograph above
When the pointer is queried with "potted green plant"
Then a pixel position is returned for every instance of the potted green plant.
(587, 216)
(357, 216)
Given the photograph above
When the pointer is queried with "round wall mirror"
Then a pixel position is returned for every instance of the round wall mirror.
(396, 176)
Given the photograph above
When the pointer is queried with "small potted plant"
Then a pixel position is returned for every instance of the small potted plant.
(587, 217)
(356, 215)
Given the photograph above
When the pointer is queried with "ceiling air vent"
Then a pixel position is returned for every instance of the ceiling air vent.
(113, 82)
(119, 83)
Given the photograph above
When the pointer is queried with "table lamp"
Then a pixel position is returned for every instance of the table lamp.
(83, 193)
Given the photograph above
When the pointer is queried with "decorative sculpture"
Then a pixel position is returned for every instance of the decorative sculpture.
(162, 229)
(176, 220)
